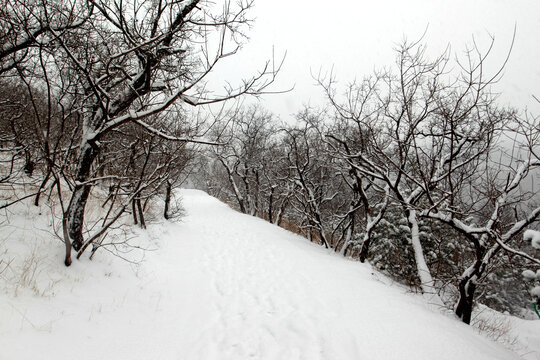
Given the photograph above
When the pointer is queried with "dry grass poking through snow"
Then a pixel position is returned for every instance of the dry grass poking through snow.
(31, 246)
(26, 273)
(496, 327)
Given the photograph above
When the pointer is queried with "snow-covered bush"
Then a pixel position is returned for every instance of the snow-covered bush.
(533, 277)
(534, 237)
(391, 251)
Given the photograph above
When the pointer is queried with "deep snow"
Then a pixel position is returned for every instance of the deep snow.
(220, 285)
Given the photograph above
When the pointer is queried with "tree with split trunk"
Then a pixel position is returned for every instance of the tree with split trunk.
(145, 57)
(490, 206)
(110, 67)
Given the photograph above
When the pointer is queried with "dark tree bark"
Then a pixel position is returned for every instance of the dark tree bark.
(364, 250)
(41, 187)
(464, 307)
(271, 206)
(80, 195)
(141, 214)
(134, 212)
(67, 259)
(467, 285)
(168, 190)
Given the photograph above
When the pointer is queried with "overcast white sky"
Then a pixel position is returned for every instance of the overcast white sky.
(355, 37)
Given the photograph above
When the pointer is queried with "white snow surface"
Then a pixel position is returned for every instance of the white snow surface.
(222, 285)
(533, 236)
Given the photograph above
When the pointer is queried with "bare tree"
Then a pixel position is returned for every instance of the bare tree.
(367, 196)
(149, 60)
(490, 210)
(420, 135)
(244, 154)
(29, 24)
(312, 176)
(95, 71)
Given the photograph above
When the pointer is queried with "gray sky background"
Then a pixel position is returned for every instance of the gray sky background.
(356, 37)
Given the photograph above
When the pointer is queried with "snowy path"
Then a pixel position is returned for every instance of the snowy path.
(275, 296)
(230, 286)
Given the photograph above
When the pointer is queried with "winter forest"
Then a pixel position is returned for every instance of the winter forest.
(417, 169)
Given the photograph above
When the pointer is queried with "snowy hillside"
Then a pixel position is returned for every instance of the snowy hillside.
(220, 285)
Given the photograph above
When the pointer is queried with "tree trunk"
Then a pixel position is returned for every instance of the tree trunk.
(323, 239)
(80, 195)
(141, 214)
(271, 206)
(76, 215)
(365, 247)
(281, 212)
(134, 212)
(350, 233)
(426, 280)
(321, 231)
(467, 287)
(168, 190)
(255, 209)
(41, 187)
(67, 242)
(29, 165)
(370, 225)
(241, 204)
(348, 239)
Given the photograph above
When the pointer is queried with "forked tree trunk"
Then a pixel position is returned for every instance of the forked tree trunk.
(365, 247)
(41, 187)
(372, 222)
(464, 307)
(467, 285)
(348, 238)
(237, 193)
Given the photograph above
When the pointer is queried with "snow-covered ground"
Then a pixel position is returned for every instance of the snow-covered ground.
(220, 285)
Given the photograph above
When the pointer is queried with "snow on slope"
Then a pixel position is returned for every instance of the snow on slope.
(223, 285)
